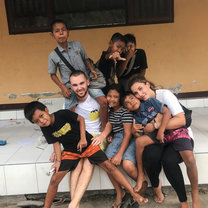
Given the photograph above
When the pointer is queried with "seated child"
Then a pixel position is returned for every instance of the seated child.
(68, 128)
(144, 113)
(108, 60)
(122, 149)
(135, 63)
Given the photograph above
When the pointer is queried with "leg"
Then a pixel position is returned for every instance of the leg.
(131, 170)
(74, 177)
(53, 186)
(103, 111)
(83, 182)
(141, 143)
(152, 164)
(170, 162)
(119, 192)
(189, 160)
(120, 178)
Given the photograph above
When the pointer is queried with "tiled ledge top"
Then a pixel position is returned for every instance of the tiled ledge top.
(56, 103)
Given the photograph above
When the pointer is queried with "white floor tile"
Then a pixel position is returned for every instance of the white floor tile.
(20, 114)
(192, 103)
(43, 178)
(2, 182)
(21, 179)
(7, 115)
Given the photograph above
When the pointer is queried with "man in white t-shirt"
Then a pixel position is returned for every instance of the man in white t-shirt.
(88, 108)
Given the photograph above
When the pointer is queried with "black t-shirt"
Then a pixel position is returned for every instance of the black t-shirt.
(65, 130)
(105, 66)
(140, 63)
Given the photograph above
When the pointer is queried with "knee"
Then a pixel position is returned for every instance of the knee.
(109, 166)
(54, 180)
(139, 142)
(128, 166)
(191, 163)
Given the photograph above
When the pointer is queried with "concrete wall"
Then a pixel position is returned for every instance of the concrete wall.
(176, 53)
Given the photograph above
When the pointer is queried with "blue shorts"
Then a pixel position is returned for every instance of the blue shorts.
(72, 100)
(114, 146)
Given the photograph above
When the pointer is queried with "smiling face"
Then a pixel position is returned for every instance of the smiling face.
(60, 33)
(113, 98)
(130, 46)
(117, 46)
(142, 90)
(79, 84)
(131, 103)
(42, 118)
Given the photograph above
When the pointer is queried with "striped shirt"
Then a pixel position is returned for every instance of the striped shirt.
(117, 119)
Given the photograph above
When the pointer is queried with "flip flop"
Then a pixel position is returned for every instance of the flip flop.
(123, 201)
(58, 201)
(133, 204)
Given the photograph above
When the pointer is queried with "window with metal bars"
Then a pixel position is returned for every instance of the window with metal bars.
(27, 16)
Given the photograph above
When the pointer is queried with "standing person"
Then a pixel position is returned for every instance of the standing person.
(135, 63)
(76, 56)
(121, 150)
(155, 154)
(108, 60)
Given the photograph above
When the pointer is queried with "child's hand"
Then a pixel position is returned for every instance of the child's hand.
(56, 166)
(138, 127)
(98, 140)
(109, 139)
(116, 160)
(95, 75)
(116, 56)
(82, 143)
(160, 136)
(65, 91)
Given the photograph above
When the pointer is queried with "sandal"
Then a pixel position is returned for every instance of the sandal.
(133, 204)
(58, 201)
(114, 205)
(123, 201)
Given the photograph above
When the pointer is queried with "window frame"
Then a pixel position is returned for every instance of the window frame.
(130, 20)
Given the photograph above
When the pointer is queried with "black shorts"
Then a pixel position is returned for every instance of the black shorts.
(96, 158)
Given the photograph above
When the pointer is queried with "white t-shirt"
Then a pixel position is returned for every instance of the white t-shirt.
(168, 98)
(89, 109)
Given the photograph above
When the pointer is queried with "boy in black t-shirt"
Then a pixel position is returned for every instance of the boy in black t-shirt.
(68, 128)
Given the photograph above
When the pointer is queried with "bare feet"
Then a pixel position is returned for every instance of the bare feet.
(159, 197)
(196, 203)
(141, 200)
(184, 205)
(143, 189)
(119, 199)
(140, 179)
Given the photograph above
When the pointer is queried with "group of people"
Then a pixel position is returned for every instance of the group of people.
(129, 122)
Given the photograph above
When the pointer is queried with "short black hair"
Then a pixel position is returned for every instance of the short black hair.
(118, 37)
(55, 21)
(124, 97)
(130, 38)
(77, 73)
(30, 109)
(119, 88)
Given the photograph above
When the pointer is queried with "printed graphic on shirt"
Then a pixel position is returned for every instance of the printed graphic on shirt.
(151, 109)
(94, 115)
(66, 128)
